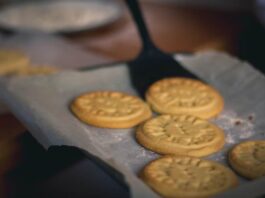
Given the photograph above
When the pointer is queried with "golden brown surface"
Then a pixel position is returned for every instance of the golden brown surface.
(173, 28)
(180, 134)
(184, 95)
(110, 109)
(31, 70)
(248, 159)
(11, 60)
(187, 177)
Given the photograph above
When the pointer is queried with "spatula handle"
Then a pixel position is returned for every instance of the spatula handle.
(141, 26)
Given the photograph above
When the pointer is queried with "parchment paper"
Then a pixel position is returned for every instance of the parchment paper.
(42, 102)
(51, 50)
(47, 49)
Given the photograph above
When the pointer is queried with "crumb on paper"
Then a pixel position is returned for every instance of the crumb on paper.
(237, 122)
(235, 127)
(251, 117)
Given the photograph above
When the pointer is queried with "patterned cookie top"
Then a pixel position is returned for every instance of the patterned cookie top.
(250, 156)
(183, 95)
(182, 130)
(111, 106)
(174, 176)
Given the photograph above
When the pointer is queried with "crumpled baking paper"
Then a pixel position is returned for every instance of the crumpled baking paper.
(42, 104)
(47, 49)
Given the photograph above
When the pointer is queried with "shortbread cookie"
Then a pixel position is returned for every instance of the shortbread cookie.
(184, 95)
(248, 159)
(188, 177)
(11, 60)
(35, 70)
(110, 109)
(180, 134)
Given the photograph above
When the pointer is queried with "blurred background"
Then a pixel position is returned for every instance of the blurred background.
(235, 26)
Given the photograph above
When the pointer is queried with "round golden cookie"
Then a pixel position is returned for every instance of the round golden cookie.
(248, 159)
(180, 134)
(11, 60)
(110, 109)
(35, 70)
(187, 177)
(184, 95)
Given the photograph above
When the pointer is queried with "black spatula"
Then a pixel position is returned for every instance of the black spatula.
(151, 64)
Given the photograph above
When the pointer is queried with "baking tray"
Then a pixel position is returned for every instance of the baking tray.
(41, 103)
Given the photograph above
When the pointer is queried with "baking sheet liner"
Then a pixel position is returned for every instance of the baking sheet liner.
(42, 104)
(53, 50)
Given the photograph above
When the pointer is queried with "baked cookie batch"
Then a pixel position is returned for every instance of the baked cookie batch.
(16, 63)
(181, 133)
(10, 61)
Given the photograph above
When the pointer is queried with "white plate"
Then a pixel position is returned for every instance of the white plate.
(59, 16)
